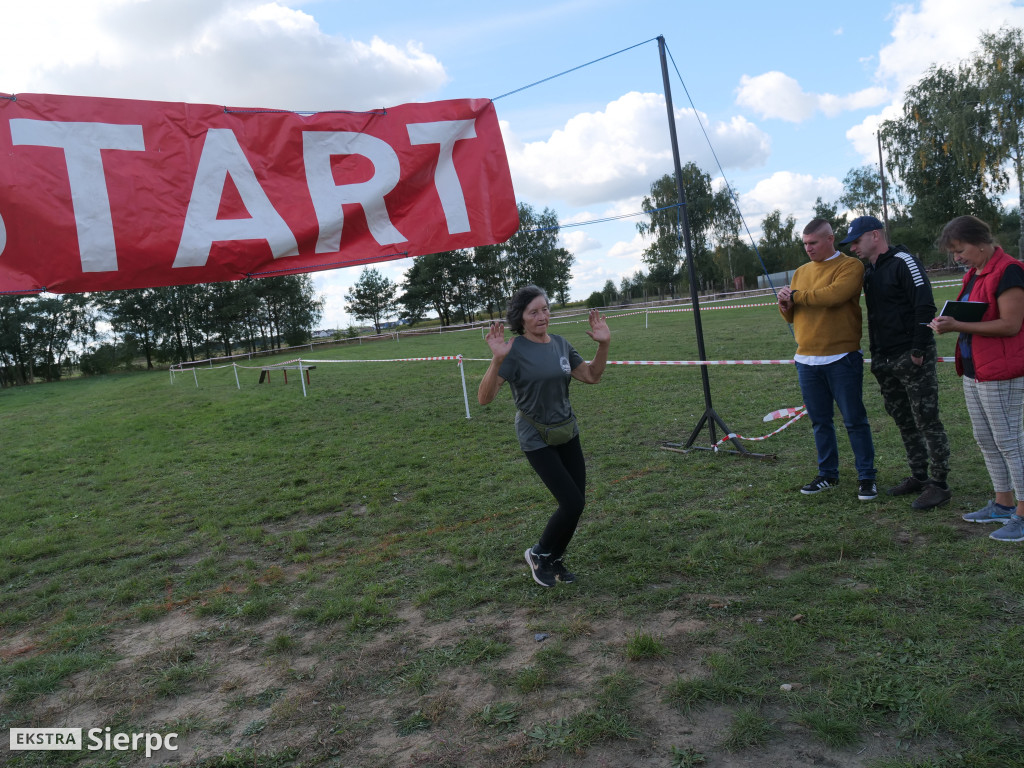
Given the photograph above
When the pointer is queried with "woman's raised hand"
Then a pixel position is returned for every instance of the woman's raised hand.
(599, 330)
(496, 340)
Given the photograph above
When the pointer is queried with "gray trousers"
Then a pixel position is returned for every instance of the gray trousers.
(997, 416)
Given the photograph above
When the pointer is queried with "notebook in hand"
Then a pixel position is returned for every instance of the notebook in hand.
(964, 311)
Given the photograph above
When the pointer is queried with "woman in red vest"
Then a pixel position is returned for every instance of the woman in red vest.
(990, 358)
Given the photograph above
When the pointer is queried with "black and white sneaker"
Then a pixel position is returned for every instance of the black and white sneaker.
(540, 568)
(819, 484)
(867, 490)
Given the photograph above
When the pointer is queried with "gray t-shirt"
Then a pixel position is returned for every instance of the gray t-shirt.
(539, 376)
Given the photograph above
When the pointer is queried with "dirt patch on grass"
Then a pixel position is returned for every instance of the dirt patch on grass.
(405, 696)
(20, 645)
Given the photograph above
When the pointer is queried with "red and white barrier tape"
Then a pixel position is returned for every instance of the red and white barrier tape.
(699, 362)
(726, 362)
(795, 415)
(391, 360)
(487, 360)
(689, 309)
(782, 413)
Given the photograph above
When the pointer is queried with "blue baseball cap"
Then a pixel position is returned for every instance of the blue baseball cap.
(859, 226)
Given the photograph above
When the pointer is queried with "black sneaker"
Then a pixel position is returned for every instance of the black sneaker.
(819, 484)
(934, 495)
(867, 490)
(907, 485)
(562, 574)
(540, 568)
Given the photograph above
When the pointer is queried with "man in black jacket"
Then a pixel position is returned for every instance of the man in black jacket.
(900, 306)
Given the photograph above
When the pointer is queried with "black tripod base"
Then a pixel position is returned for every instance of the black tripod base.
(711, 418)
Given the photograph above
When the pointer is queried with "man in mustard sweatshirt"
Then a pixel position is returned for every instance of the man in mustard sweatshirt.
(823, 304)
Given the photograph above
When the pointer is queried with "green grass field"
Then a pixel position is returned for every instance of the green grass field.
(338, 579)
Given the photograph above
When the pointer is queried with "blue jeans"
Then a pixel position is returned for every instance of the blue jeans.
(841, 382)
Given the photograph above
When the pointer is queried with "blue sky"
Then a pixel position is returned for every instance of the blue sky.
(789, 93)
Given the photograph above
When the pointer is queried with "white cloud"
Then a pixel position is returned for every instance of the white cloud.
(928, 32)
(626, 206)
(932, 32)
(777, 95)
(577, 241)
(604, 156)
(792, 193)
(623, 259)
(864, 135)
(629, 252)
(51, 34)
(240, 52)
(939, 32)
(332, 286)
(935, 33)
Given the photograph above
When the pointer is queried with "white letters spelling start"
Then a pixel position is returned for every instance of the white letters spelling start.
(223, 157)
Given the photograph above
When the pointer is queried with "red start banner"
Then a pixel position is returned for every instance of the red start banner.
(103, 194)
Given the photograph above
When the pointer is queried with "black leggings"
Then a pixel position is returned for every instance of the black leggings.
(564, 472)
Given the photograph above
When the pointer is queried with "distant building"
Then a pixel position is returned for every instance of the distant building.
(778, 279)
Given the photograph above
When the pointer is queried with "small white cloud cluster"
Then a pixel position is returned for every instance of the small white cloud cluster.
(936, 32)
(600, 157)
(777, 95)
(791, 193)
(241, 53)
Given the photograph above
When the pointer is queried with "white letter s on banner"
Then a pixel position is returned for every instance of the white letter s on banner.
(82, 143)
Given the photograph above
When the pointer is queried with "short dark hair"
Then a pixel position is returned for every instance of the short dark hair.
(518, 303)
(964, 229)
(815, 224)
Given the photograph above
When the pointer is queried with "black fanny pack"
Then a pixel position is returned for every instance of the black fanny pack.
(553, 434)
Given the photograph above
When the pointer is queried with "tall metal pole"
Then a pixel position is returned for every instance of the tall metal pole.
(881, 175)
(709, 416)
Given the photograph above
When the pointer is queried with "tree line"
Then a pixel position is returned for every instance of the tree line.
(45, 337)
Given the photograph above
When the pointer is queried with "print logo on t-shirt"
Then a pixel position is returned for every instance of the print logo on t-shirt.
(564, 362)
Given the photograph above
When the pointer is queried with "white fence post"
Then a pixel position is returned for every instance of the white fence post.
(465, 396)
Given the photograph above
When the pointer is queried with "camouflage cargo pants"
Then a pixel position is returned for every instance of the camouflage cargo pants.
(911, 396)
